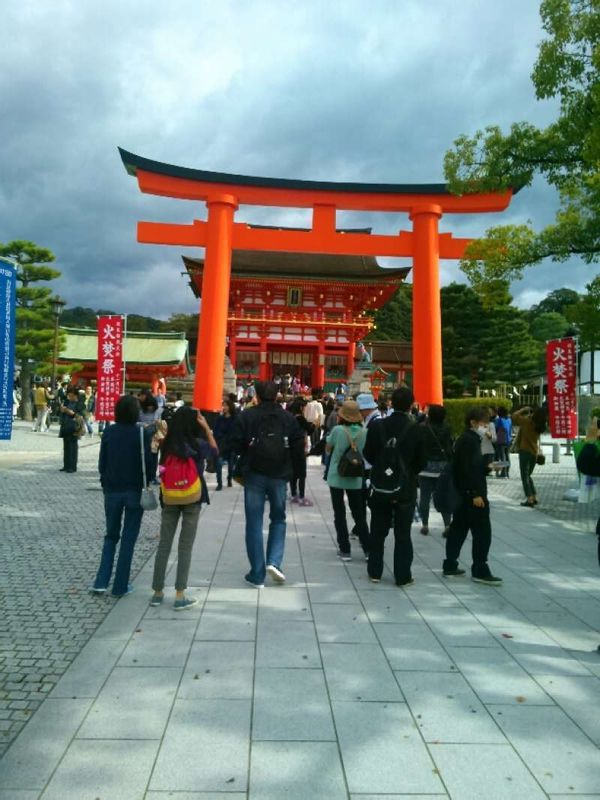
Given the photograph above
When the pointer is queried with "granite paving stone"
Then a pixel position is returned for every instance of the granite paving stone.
(222, 621)
(295, 644)
(296, 771)
(342, 623)
(160, 643)
(413, 646)
(218, 670)
(370, 676)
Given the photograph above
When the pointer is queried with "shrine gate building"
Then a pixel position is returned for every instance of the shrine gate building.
(300, 314)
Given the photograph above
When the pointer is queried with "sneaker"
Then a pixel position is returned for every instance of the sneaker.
(490, 579)
(157, 599)
(295, 499)
(275, 573)
(250, 582)
(454, 573)
(425, 530)
(97, 590)
(186, 602)
(219, 488)
(128, 591)
(374, 580)
(304, 501)
(229, 483)
(344, 556)
(405, 582)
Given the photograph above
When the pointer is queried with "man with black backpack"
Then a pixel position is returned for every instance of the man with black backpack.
(265, 437)
(396, 450)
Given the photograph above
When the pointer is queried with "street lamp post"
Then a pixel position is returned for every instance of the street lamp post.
(57, 306)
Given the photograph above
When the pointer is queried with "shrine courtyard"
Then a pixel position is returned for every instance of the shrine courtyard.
(328, 687)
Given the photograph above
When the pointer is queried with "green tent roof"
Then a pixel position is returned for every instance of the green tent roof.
(81, 344)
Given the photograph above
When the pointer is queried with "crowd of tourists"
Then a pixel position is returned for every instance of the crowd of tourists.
(384, 462)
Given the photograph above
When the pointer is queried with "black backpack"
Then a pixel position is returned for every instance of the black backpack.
(269, 448)
(388, 473)
(351, 463)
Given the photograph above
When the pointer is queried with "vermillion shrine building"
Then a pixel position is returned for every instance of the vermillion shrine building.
(300, 314)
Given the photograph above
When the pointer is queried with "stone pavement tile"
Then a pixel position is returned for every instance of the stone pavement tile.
(215, 755)
(86, 675)
(160, 643)
(134, 704)
(388, 606)
(291, 704)
(412, 646)
(579, 698)
(18, 794)
(586, 609)
(286, 643)
(233, 589)
(342, 623)
(359, 672)
(218, 669)
(34, 755)
(325, 591)
(296, 771)
(118, 770)
(493, 772)
(570, 797)
(566, 629)
(495, 612)
(496, 677)
(453, 627)
(124, 615)
(196, 796)
(227, 621)
(559, 755)
(420, 796)
(447, 710)
(588, 658)
(288, 602)
(382, 750)
(537, 653)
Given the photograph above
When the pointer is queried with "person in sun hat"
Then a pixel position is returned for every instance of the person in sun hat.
(349, 428)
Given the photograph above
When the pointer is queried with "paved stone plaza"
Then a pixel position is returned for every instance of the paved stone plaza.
(328, 687)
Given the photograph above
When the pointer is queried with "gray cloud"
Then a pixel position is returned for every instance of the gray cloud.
(337, 91)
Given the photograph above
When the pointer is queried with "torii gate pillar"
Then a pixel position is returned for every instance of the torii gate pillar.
(427, 316)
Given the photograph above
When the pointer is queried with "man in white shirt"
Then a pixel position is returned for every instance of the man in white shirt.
(313, 412)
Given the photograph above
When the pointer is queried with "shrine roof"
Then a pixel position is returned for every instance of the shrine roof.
(134, 162)
(307, 266)
(139, 347)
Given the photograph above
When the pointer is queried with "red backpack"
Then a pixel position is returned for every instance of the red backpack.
(179, 481)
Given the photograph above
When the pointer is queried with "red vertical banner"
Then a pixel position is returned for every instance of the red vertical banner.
(110, 366)
(561, 366)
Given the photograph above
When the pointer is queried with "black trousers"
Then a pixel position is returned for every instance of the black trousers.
(70, 452)
(358, 510)
(386, 515)
(477, 520)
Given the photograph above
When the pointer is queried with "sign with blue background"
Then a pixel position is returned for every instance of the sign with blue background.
(8, 287)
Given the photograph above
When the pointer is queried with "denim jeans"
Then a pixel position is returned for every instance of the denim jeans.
(170, 517)
(257, 489)
(125, 508)
(426, 489)
(228, 459)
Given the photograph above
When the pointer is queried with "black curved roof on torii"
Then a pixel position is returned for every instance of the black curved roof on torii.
(133, 162)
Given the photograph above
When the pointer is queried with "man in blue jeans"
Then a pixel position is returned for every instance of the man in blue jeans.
(265, 436)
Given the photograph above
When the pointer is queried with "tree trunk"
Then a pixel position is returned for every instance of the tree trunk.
(26, 405)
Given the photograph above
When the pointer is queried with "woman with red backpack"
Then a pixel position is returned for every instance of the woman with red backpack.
(183, 455)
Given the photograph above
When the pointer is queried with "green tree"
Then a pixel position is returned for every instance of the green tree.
(35, 322)
(556, 301)
(512, 355)
(464, 324)
(586, 316)
(549, 325)
(394, 319)
(186, 323)
(566, 153)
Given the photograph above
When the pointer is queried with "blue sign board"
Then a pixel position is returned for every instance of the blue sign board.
(8, 287)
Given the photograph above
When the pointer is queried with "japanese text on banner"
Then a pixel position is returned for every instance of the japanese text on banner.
(561, 366)
(110, 366)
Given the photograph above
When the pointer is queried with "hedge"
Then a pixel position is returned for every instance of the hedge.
(456, 409)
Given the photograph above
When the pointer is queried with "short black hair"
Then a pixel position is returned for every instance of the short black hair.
(402, 398)
(476, 414)
(266, 390)
(127, 410)
(436, 414)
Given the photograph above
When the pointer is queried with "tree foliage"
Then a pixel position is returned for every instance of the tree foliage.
(34, 319)
(566, 153)
(394, 319)
(585, 314)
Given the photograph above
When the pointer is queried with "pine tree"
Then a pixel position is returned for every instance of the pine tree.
(35, 323)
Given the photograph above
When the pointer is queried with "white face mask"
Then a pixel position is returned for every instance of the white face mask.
(481, 430)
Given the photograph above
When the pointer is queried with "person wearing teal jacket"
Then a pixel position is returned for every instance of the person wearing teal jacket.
(349, 428)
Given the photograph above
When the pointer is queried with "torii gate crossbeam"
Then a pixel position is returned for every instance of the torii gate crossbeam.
(220, 234)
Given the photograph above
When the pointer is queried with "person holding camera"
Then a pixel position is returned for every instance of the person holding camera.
(588, 463)
(531, 423)
(71, 407)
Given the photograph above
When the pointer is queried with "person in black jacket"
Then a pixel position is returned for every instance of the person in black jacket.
(399, 511)
(438, 450)
(470, 479)
(71, 407)
(588, 463)
(266, 437)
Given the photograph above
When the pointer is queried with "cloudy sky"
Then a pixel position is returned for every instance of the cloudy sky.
(315, 89)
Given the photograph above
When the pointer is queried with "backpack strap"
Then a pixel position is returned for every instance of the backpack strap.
(351, 441)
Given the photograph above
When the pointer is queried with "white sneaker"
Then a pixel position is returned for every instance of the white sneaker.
(275, 573)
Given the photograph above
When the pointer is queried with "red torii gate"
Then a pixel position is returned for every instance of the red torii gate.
(219, 235)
